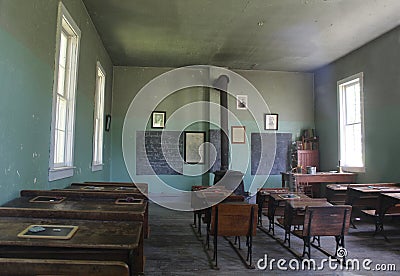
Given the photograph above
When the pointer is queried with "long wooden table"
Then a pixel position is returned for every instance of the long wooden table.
(89, 208)
(336, 193)
(368, 194)
(92, 197)
(299, 179)
(94, 240)
(143, 187)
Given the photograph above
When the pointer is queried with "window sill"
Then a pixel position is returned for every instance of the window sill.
(97, 167)
(354, 169)
(60, 173)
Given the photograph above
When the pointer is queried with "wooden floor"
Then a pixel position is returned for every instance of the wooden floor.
(174, 249)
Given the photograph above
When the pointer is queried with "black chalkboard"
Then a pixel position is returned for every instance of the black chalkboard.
(61, 232)
(152, 154)
(263, 150)
(215, 139)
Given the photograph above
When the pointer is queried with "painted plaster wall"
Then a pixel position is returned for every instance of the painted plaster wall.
(288, 94)
(379, 60)
(27, 50)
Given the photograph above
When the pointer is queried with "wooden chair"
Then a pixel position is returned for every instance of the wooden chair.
(14, 267)
(305, 188)
(324, 221)
(234, 220)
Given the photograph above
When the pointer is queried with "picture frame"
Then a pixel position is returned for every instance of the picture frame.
(158, 119)
(241, 102)
(194, 147)
(238, 134)
(271, 121)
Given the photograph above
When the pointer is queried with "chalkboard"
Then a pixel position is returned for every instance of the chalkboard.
(263, 150)
(215, 139)
(60, 232)
(152, 155)
(48, 199)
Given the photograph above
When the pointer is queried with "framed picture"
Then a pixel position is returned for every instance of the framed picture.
(271, 121)
(194, 147)
(241, 102)
(238, 134)
(158, 119)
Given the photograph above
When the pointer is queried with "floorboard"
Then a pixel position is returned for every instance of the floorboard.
(173, 249)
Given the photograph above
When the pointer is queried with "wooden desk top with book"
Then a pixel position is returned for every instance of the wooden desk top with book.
(88, 208)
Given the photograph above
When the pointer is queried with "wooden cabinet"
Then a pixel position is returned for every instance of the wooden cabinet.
(308, 158)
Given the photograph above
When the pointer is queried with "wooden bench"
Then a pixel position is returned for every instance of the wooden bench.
(324, 221)
(234, 220)
(23, 267)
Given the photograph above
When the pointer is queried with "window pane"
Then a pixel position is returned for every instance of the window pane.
(63, 50)
(352, 98)
(98, 117)
(59, 152)
(61, 81)
(351, 123)
(353, 147)
(61, 115)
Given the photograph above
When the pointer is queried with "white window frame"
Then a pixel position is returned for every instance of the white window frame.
(66, 25)
(98, 120)
(359, 77)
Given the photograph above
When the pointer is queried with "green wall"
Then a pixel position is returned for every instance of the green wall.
(286, 93)
(380, 62)
(27, 50)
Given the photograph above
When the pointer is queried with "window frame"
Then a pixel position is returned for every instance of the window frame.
(342, 115)
(98, 113)
(65, 23)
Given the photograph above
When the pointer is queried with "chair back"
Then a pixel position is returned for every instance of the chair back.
(234, 219)
(327, 220)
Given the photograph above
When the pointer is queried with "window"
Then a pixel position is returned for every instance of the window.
(65, 75)
(97, 163)
(351, 123)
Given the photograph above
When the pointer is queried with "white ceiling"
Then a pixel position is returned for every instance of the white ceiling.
(284, 35)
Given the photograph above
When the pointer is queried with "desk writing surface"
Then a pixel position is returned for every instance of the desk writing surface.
(302, 204)
(325, 177)
(392, 195)
(83, 194)
(278, 196)
(375, 189)
(85, 204)
(95, 188)
(90, 234)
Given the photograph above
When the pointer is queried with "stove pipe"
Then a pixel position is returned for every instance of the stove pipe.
(222, 85)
